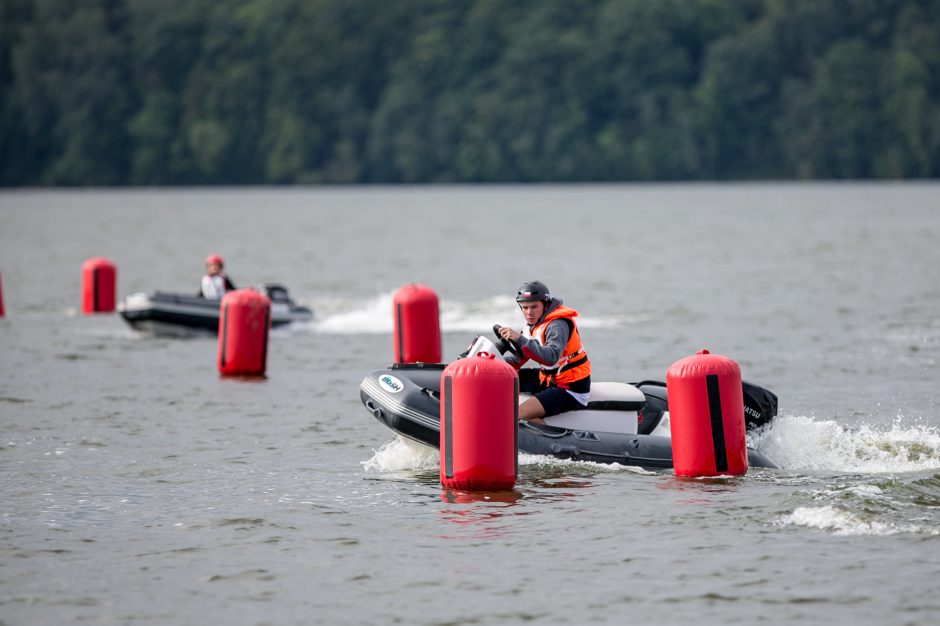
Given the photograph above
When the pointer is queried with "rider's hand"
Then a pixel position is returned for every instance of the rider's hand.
(509, 334)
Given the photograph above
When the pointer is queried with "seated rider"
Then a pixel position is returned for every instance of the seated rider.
(215, 283)
(562, 382)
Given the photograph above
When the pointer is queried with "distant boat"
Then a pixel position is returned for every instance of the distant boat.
(166, 313)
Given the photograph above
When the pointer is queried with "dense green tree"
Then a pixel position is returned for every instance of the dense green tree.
(911, 85)
(168, 44)
(71, 87)
(17, 152)
(102, 92)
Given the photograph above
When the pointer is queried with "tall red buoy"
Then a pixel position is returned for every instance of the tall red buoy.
(1, 296)
(99, 280)
(479, 411)
(706, 416)
(244, 319)
(417, 330)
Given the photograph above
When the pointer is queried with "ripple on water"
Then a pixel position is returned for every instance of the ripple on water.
(843, 522)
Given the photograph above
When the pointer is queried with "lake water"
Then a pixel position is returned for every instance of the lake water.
(139, 487)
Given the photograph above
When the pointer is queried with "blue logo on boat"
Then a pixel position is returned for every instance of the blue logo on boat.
(391, 384)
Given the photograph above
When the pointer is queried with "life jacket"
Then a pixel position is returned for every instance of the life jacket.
(213, 287)
(573, 364)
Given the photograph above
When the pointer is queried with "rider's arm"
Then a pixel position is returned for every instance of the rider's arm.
(556, 338)
(513, 360)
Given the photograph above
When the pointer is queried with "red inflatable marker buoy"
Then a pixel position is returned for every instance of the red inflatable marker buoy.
(99, 280)
(417, 332)
(244, 320)
(706, 416)
(479, 411)
(1, 296)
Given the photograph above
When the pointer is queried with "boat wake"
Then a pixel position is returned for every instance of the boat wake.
(374, 316)
(795, 443)
(803, 443)
(404, 455)
(839, 521)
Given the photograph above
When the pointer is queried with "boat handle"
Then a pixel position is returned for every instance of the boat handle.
(376, 410)
(566, 449)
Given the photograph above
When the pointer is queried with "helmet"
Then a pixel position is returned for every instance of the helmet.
(214, 259)
(534, 291)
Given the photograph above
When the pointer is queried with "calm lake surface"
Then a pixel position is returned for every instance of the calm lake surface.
(138, 487)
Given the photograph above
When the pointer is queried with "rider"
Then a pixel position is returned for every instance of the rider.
(562, 382)
(215, 283)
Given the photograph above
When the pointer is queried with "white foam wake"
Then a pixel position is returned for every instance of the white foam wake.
(842, 522)
(404, 455)
(338, 316)
(804, 443)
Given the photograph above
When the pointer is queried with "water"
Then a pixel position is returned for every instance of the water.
(139, 487)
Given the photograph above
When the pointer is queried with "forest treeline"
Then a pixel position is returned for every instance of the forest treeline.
(179, 92)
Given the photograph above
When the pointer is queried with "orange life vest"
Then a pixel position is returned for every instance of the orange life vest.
(573, 364)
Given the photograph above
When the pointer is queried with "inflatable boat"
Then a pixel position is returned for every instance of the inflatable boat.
(165, 313)
(625, 423)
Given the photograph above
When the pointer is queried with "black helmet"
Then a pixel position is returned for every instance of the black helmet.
(534, 291)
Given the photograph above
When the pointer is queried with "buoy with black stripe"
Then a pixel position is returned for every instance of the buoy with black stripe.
(478, 434)
(99, 280)
(417, 332)
(706, 413)
(244, 320)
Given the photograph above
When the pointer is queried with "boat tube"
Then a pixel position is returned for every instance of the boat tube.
(623, 423)
(166, 313)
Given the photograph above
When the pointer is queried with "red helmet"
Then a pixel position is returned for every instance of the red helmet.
(214, 259)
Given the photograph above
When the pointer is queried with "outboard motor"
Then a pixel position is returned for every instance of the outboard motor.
(760, 405)
(276, 293)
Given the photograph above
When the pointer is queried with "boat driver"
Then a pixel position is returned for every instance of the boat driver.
(215, 283)
(562, 382)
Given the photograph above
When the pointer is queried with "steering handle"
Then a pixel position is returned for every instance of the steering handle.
(505, 345)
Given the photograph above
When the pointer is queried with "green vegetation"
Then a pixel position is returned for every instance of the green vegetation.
(155, 92)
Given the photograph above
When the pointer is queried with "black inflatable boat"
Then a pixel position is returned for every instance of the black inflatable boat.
(167, 313)
(623, 423)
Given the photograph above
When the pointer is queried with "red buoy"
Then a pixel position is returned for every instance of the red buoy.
(706, 416)
(479, 411)
(417, 330)
(244, 319)
(1, 295)
(99, 280)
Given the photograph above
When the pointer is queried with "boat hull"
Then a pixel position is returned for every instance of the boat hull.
(414, 412)
(166, 313)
